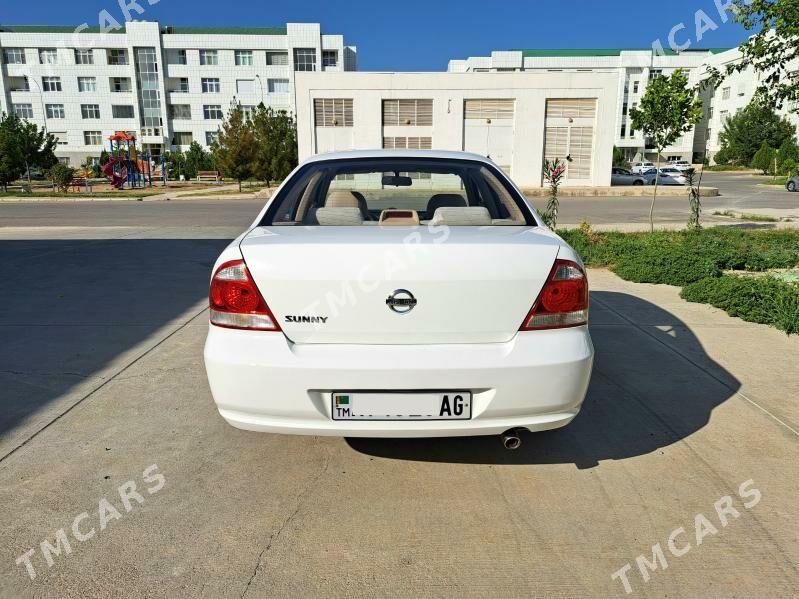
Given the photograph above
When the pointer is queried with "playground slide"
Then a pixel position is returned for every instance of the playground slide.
(116, 169)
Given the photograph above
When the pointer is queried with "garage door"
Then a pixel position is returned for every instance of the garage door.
(570, 126)
(488, 129)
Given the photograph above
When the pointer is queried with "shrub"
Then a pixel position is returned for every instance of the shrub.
(763, 299)
(764, 159)
(722, 157)
(788, 167)
(62, 176)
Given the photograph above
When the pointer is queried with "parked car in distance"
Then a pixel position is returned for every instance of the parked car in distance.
(668, 176)
(639, 168)
(680, 165)
(399, 293)
(621, 176)
(35, 175)
(793, 184)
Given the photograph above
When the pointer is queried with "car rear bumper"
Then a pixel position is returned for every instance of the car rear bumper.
(262, 382)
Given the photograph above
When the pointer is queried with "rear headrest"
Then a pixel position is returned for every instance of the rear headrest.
(475, 216)
(339, 216)
(445, 200)
(340, 198)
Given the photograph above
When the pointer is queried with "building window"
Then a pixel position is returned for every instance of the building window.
(176, 57)
(93, 138)
(243, 58)
(655, 73)
(624, 109)
(247, 111)
(213, 112)
(64, 160)
(211, 137)
(636, 86)
(55, 111)
(120, 84)
(60, 137)
(148, 80)
(209, 57)
(245, 86)
(90, 111)
(333, 112)
(624, 130)
(51, 84)
(180, 112)
(182, 86)
(407, 143)
(304, 59)
(117, 56)
(182, 138)
(124, 111)
(329, 58)
(278, 86)
(19, 84)
(277, 59)
(87, 84)
(48, 56)
(14, 56)
(84, 56)
(725, 93)
(23, 111)
(210, 85)
(408, 112)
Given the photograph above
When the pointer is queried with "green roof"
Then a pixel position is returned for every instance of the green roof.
(172, 30)
(52, 29)
(226, 30)
(577, 52)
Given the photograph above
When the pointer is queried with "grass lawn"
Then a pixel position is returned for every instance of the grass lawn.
(701, 263)
(779, 181)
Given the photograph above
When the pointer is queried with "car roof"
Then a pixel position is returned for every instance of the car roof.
(434, 154)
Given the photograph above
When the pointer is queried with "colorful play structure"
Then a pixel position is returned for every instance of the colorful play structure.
(128, 167)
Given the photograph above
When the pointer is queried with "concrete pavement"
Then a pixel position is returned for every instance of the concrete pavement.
(102, 377)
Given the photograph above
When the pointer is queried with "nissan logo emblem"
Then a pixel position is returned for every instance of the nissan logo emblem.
(401, 301)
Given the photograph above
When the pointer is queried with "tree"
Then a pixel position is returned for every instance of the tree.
(36, 148)
(764, 158)
(619, 159)
(62, 176)
(11, 164)
(668, 110)
(197, 159)
(235, 150)
(747, 131)
(175, 164)
(276, 139)
(770, 50)
(788, 157)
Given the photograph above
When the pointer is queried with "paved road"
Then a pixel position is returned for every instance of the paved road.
(101, 377)
(739, 192)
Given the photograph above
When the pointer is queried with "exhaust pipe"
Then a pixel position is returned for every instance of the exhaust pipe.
(511, 439)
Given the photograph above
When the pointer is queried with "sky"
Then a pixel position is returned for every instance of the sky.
(423, 35)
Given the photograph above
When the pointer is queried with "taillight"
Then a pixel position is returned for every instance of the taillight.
(563, 302)
(236, 302)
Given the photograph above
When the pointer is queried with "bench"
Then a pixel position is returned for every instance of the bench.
(209, 176)
(78, 183)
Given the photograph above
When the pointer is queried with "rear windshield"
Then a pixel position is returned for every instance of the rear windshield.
(398, 191)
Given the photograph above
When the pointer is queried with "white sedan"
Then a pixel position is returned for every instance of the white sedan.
(399, 294)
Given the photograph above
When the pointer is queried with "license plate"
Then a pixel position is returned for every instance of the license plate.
(406, 405)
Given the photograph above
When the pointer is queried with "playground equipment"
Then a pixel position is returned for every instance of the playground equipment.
(128, 167)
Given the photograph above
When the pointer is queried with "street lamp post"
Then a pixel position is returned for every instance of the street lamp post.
(41, 99)
(261, 85)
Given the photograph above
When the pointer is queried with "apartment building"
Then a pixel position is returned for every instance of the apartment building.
(635, 69)
(517, 120)
(168, 85)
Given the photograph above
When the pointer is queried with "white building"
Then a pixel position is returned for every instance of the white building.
(635, 69)
(517, 120)
(168, 85)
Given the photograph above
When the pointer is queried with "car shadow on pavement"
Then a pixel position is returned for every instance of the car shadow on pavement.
(652, 386)
(72, 308)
